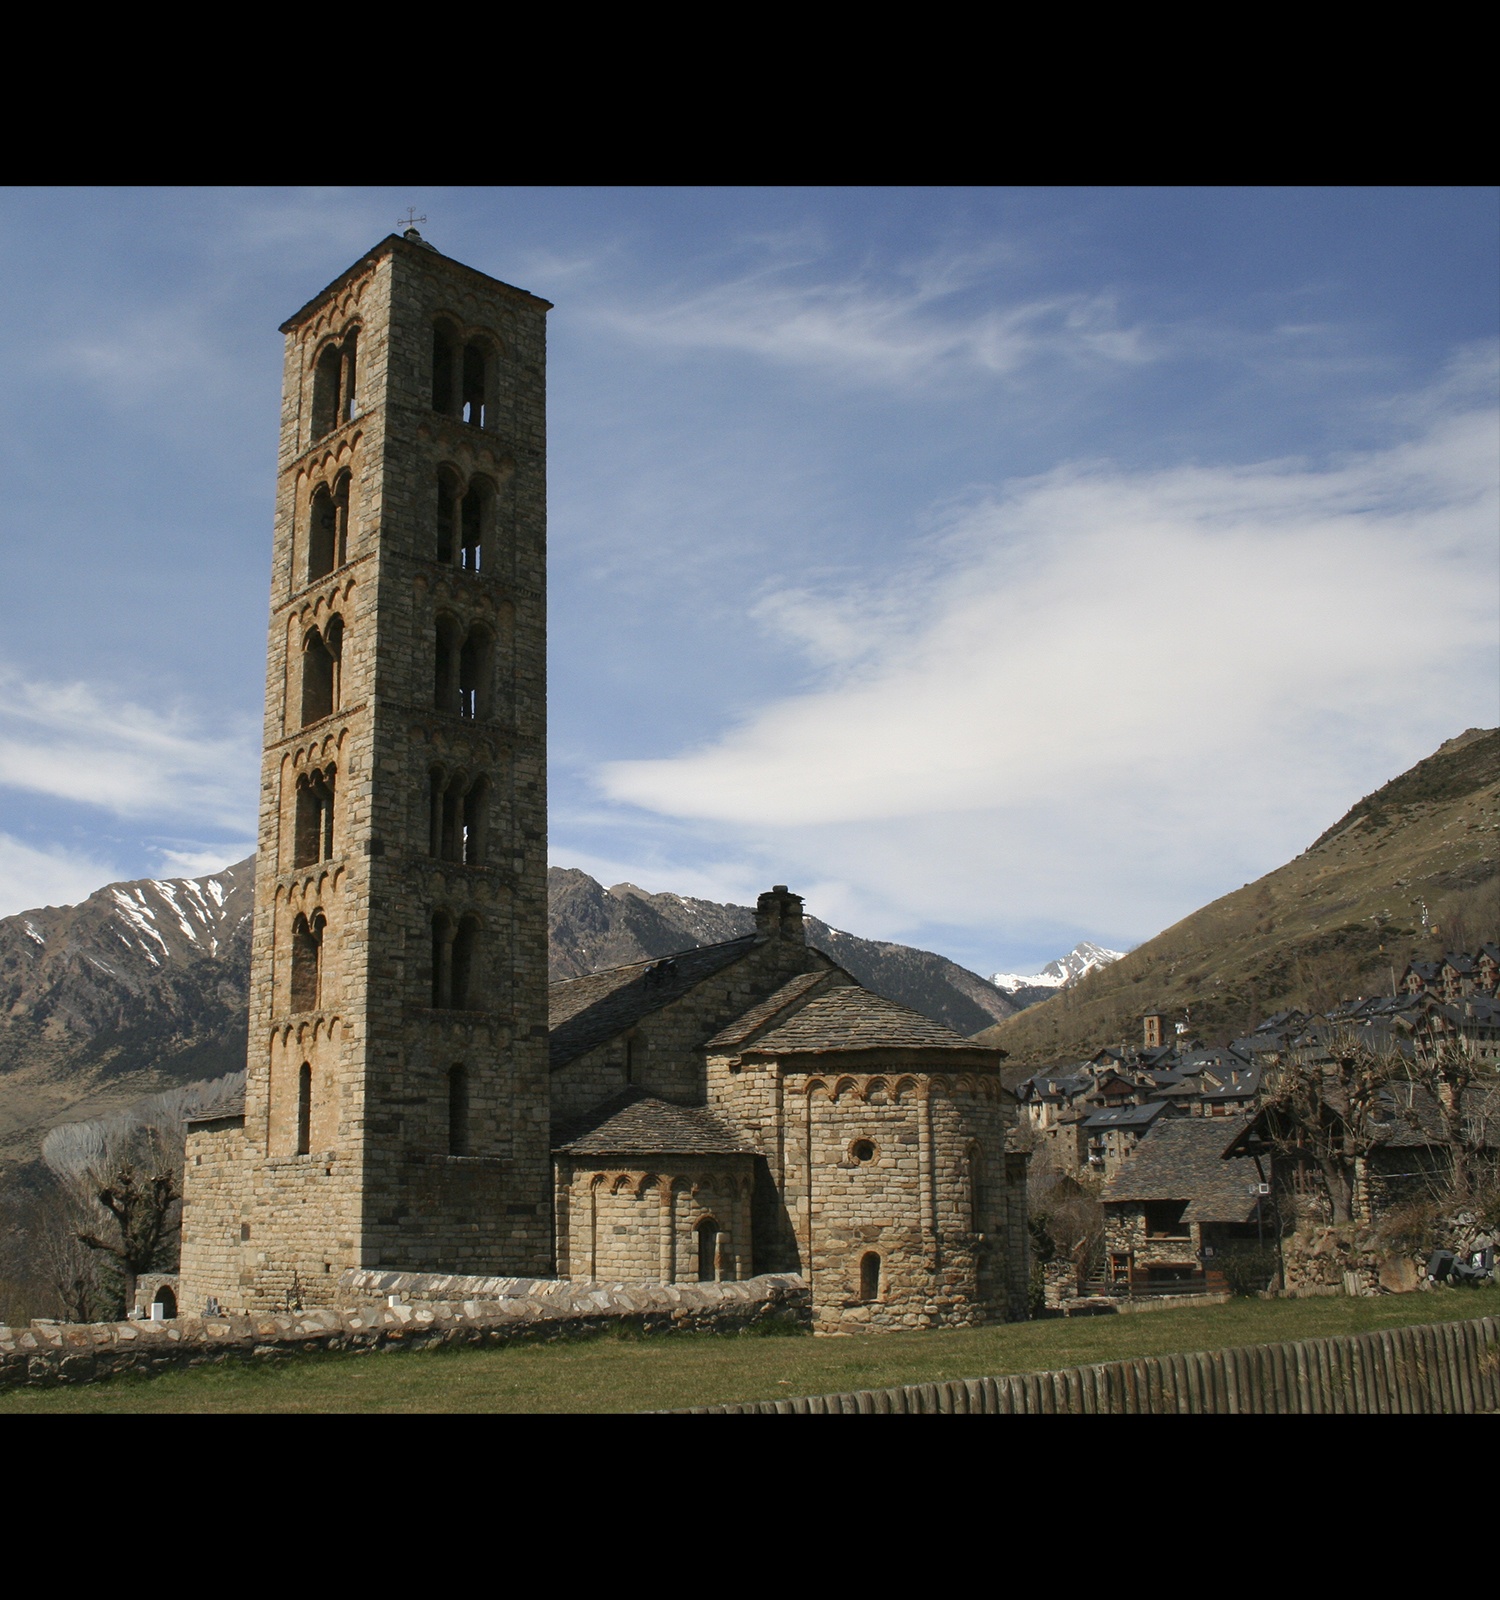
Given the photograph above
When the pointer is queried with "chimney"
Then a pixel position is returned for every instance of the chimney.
(778, 915)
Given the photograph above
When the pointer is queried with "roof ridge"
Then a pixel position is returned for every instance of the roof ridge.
(651, 961)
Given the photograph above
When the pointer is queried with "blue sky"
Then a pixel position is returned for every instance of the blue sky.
(999, 568)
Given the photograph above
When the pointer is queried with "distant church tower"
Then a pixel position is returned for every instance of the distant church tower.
(396, 1111)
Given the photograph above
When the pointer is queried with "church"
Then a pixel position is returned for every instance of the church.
(417, 1098)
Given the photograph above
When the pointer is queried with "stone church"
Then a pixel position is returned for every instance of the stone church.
(416, 1099)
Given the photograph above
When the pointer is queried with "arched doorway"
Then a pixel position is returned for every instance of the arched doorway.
(708, 1241)
(869, 1276)
(167, 1301)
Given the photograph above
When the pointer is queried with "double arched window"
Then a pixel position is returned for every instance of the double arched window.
(458, 817)
(333, 384)
(464, 370)
(465, 518)
(312, 834)
(322, 664)
(328, 528)
(307, 961)
(464, 668)
(457, 963)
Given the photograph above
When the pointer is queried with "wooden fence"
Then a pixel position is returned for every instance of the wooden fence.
(1438, 1368)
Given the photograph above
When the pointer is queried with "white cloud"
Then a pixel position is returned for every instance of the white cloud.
(79, 743)
(1104, 695)
(30, 878)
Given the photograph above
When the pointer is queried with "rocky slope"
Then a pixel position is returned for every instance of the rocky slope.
(1411, 871)
(593, 927)
(140, 987)
(144, 985)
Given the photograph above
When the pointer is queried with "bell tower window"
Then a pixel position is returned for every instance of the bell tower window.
(307, 961)
(322, 652)
(304, 1109)
(458, 1111)
(333, 385)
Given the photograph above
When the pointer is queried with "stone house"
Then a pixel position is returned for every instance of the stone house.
(1177, 1207)
(417, 1097)
(1111, 1135)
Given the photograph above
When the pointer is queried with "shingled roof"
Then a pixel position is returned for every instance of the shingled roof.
(853, 1018)
(1183, 1159)
(586, 1012)
(633, 1123)
(759, 1016)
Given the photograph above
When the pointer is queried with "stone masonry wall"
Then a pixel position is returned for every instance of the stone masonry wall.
(481, 1312)
(666, 1057)
(628, 1221)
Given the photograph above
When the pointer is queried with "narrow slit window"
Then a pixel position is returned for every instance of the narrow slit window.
(442, 961)
(466, 973)
(304, 1109)
(458, 1111)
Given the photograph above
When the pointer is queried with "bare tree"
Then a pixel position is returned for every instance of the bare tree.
(119, 1190)
(1466, 1091)
(1329, 1107)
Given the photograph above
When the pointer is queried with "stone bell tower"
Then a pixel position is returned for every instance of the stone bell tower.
(396, 1109)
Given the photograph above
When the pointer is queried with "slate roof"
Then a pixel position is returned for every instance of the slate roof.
(586, 1012)
(1127, 1116)
(767, 1011)
(853, 1018)
(634, 1123)
(1183, 1159)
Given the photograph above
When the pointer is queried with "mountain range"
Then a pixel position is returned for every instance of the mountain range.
(1081, 960)
(1411, 871)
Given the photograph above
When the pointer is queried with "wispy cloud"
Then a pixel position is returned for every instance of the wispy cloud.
(30, 877)
(1102, 691)
(80, 743)
(909, 331)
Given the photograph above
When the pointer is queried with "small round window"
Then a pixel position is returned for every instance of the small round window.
(862, 1150)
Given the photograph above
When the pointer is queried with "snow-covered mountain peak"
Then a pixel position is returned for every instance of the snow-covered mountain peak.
(1081, 959)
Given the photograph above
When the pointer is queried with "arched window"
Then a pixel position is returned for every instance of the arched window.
(458, 1111)
(476, 822)
(304, 1109)
(450, 639)
(449, 495)
(322, 534)
(708, 1250)
(473, 404)
(445, 369)
(307, 960)
(333, 385)
(474, 675)
(442, 960)
(471, 527)
(322, 652)
(869, 1276)
(313, 830)
(467, 975)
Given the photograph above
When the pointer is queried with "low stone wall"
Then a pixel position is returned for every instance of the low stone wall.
(500, 1311)
(1445, 1368)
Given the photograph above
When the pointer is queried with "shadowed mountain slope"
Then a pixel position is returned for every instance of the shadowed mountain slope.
(1411, 871)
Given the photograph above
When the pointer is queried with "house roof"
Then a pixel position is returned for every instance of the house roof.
(853, 1018)
(1183, 1159)
(635, 1123)
(759, 1016)
(1127, 1116)
(587, 1012)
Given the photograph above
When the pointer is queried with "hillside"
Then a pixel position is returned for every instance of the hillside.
(144, 985)
(1337, 921)
(141, 987)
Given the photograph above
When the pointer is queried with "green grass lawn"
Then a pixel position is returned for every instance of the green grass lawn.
(669, 1370)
